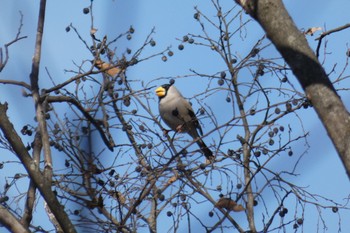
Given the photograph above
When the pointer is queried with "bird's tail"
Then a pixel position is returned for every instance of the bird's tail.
(207, 153)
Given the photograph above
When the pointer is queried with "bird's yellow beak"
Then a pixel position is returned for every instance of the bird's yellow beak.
(160, 91)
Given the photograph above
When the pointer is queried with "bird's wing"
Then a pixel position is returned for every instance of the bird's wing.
(195, 121)
(191, 117)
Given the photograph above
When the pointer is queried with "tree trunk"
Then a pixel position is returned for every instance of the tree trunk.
(291, 43)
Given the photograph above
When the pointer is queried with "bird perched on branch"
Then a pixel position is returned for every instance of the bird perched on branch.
(178, 114)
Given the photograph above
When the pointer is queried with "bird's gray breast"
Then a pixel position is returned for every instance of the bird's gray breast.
(172, 112)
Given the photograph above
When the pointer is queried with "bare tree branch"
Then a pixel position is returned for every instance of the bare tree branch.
(324, 34)
(291, 43)
(31, 166)
(7, 45)
(11, 222)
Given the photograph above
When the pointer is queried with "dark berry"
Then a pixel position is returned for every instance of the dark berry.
(348, 52)
(169, 213)
(196, 16)
(265, 151)
(221, 82)
(170, 53)
(181, 47)
(67, 29)
(282, 214)
(100, 182)
(183, 197)
(133, 61)
(29, 132)
(111, 172)
(142, 128)
(300, 221)
(161, 197)
(295, 102)
(335, 209)
(223, 74)
(230, 152)
(126, 101)
(288, 107)
(138, 169)
(254, 52)
(277, 110)
(257, 153)
(211, 214)
(86, 10)
(152, 43)
(233, 61)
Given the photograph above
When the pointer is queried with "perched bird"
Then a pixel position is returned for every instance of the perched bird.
(178, 114)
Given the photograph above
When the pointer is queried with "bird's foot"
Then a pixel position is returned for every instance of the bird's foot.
(179, 128)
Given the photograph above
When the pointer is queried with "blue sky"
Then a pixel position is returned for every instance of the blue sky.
(320, 169)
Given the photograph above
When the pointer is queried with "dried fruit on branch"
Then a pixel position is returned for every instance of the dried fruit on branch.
(229, 205)
(107, 68)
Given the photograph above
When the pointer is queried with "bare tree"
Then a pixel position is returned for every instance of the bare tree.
(101, 163)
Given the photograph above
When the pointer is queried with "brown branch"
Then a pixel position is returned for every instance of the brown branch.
(291, 43)
(30, 200)
(40, 181)
(7, 45)
(200, 190)
(34, 82)
(10, 222)
(246, 152)
(16, 83)
(268, 224)
(324, 34)
(109, 143)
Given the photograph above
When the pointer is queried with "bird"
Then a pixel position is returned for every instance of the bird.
(178, 114)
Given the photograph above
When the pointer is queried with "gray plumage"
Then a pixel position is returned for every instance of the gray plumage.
(178, 114)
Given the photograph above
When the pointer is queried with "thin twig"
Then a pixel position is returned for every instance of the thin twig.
(324, 34)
